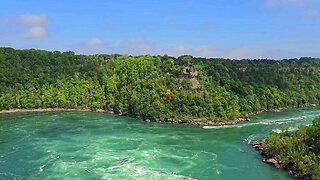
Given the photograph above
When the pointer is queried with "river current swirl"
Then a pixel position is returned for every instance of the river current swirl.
(89, 145)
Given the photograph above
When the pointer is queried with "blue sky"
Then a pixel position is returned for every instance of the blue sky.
(203, 28)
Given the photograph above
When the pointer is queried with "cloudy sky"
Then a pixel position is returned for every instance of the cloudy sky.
(207, 28)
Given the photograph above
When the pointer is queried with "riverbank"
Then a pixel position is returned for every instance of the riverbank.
(206, 122)
(260, 147)
(50, 110)
(248, 116)
(198, 121)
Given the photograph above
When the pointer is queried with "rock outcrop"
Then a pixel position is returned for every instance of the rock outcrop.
(267, 158)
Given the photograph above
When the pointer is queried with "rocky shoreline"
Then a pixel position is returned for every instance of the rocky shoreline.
(198, 122)
(8, 111)
(260, 147)
(205, 122)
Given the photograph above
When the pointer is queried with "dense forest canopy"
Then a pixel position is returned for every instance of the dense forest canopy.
(299, 150)
(212, 89)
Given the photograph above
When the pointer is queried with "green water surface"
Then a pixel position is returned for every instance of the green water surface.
(88, 145)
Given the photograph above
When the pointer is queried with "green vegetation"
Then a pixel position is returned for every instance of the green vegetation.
(299, 150)
(214, 89)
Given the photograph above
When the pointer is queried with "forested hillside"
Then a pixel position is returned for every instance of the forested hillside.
(209, 89)
(298, 151)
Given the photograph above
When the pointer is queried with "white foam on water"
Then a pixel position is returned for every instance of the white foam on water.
(218, 171)
(250, 138)
(41, 168)
(277, 130)
(213, 155)
(221, 127)
(13, 176)
(282, 122)
(106, 156)
(292, 128)
(135, 171)
(262, 122)
(280, 131)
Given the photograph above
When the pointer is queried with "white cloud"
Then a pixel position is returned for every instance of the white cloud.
(210, 25)
(175, 51)
(313, 12)
(244, 53)
(93, 42)
(28, 19)
(146, 29)
(90, 46)
(8, 31)
(136, 47)
(290, 2)
(142, 47)
(208, 50)
(205, 50)
(34, 22)
(4, 43)
(36, 32)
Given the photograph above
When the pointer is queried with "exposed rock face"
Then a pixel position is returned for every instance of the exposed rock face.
(271, 161)
(108, 107)
(191, 72)
(117, 111)
(258, 146)
(195, 83)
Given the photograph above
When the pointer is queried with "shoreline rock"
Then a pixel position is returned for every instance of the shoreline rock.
(259, 146)
(9, 111)
(198, 122)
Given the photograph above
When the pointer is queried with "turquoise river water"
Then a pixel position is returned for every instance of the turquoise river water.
(89, 145)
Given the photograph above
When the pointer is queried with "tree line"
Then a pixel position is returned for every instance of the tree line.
(136, 85)
(298, 150)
